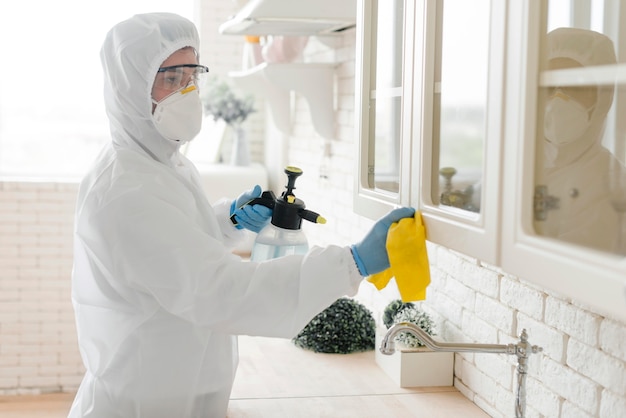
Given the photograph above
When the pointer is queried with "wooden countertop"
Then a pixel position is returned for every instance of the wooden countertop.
(276, 379)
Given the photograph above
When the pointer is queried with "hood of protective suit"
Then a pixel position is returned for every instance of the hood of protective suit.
(131, 54)
(588, 48)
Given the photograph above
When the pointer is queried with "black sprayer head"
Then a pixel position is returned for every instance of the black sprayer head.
(288, 210)
(292, 174)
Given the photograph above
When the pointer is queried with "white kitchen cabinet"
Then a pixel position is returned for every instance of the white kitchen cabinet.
(384, 81)
(479, 96)
(448, 119)
(563, 237)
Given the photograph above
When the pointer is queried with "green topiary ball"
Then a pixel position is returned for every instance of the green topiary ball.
(393, 309)
(344, 327)
(419, 318)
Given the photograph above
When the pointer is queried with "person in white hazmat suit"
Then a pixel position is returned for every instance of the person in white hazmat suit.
(576, 164)
(158, 296)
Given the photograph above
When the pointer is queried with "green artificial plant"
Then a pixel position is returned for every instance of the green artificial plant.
(392, 309)
(344, 327)
(397, 311)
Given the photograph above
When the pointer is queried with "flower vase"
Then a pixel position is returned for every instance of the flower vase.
(240, 155)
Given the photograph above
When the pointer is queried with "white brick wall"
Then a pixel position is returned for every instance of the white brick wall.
(38, 349)
(580, 373)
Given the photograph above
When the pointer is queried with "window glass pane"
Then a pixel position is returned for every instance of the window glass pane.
(580, 179)
(52, 118)
(387, 97)
(461, 99)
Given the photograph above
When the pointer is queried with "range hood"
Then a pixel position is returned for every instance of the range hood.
(292, 18)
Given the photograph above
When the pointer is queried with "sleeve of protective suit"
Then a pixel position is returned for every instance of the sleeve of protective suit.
(167, 258)
(232, 235)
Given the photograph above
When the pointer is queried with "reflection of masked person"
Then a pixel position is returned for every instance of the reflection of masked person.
(575, 161)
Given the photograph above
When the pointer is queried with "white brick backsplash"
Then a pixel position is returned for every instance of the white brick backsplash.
(8, 381)
(572, 320)
(571, 410)
(495, 313)
(437, 280)
(522, 298)
(549, 339)
(541, 399)
(531, 413)
(490, 409)
(612, 405)
(597, 365)
(575, 388)
(448, 261)
(466, 391)
(71, 383)
(613, 338)
(505, 401)
(478, 330)
(8, 295)
(480, 279)
(37, 381)
(460, 293)
(497, 367)
(451, 310)
(481, 384)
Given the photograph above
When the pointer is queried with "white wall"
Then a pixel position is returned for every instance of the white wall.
(38, 348)
(581, 373)
(223, 54)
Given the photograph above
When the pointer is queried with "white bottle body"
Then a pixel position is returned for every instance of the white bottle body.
(274, 242)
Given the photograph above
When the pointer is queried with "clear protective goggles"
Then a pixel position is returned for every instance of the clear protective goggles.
(178, 77)
(586, 95)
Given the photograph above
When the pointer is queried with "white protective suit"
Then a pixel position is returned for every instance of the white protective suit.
(157, 294)
(575, 172)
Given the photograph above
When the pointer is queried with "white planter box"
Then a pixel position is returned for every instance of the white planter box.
(416, 367)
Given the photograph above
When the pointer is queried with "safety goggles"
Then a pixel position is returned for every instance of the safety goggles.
(178, 77)
(587, 95)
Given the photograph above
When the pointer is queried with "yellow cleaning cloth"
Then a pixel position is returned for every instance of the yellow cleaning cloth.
(408, 259)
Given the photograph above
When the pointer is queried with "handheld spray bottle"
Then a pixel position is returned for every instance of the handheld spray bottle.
(283, 236)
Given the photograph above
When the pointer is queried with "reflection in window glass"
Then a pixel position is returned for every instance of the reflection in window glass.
(387, 100)
(580, 178)
(461, 91)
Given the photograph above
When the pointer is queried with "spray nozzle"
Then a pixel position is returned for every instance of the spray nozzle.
(311, 216)
(292, 174)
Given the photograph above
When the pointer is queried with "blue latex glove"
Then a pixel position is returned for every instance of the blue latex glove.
(370, 254)
(252, 217)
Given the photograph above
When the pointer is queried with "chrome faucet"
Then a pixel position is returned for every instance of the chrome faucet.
(522, 349)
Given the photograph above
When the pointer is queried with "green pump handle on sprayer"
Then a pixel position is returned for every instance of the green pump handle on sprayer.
(287, 210)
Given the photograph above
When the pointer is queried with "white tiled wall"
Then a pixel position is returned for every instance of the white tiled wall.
(581, 373)
(38, 349)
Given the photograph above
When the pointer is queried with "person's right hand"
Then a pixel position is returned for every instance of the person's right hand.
(252, 217)
(370, 254)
